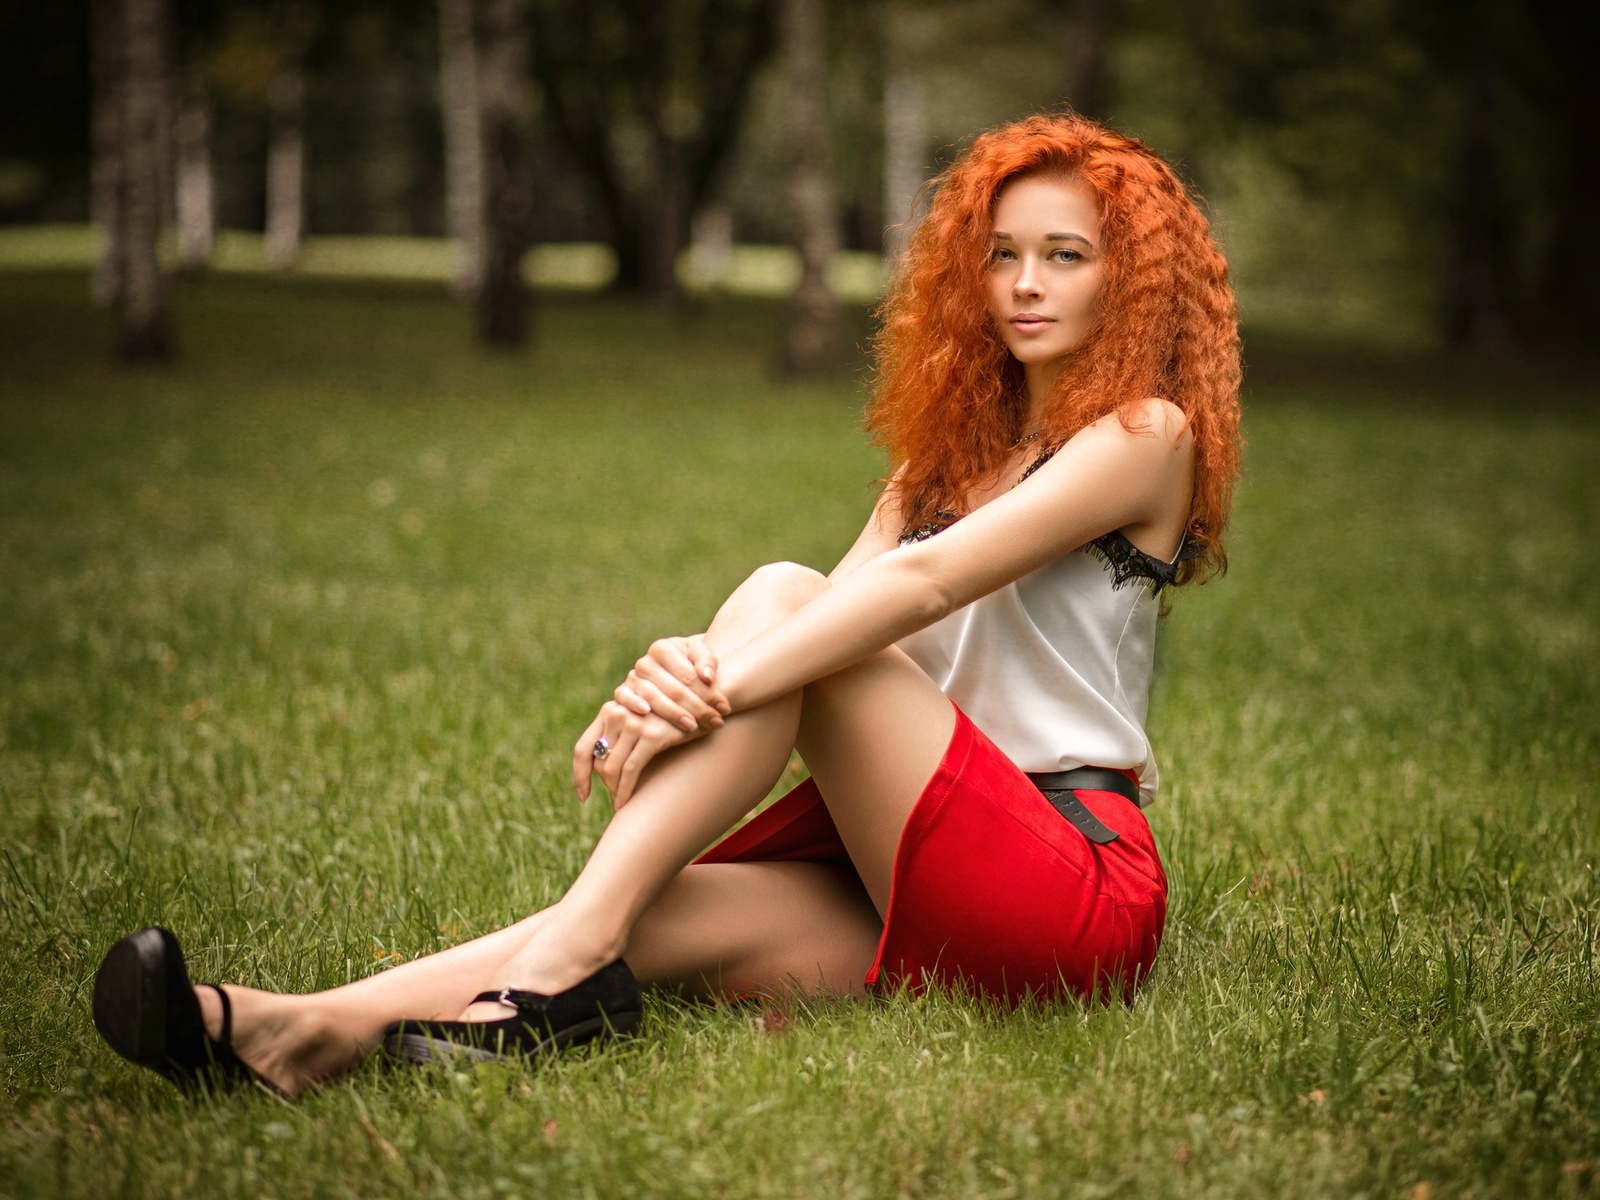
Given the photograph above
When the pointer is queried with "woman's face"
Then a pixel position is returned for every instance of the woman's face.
(1044, 267)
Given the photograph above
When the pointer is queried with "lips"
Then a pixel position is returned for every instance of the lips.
(1030, 322)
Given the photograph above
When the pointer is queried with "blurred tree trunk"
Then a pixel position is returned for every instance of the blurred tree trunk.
(105, 139)
(504, 300)
(463, 140)
(196, 195)
(669, 75)
(666, 230)
(711, 244)
(1086, 57)
(1478, 302)
(1568, 287)
(905, 128)
(816, 331)
(286, 164)
(144, 82)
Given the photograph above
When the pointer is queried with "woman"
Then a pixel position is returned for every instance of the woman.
(1058, 392)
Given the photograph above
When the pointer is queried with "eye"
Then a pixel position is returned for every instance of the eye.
(1064, 255)
(1001, 254)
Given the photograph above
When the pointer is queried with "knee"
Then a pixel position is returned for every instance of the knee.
(770, 594)
(785, 584)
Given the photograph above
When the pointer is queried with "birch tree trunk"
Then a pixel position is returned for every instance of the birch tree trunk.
(905, 131)
(816, 332)
(196, 197)
(463, 141)
(711, 245)
(503, 91)
(286, 166)
(105, 139)
(144, 84)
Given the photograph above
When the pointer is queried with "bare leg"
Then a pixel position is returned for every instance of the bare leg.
(708, 925)
(901, 723)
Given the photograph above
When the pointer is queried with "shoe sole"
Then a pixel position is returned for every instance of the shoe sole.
(422, 1048)
(130, 999)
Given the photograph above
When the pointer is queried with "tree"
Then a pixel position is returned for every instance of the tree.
(196, 200)
(463, 140)
(816, 333)
(506, 106)
(1567, 298)
(286, 162)
(905, 124)
(136, 66)
(647, 97)
(1088, 80)
(105, 141)
(1475, 125)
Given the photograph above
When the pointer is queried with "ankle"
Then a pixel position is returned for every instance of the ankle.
(564, 952)
(587, 940)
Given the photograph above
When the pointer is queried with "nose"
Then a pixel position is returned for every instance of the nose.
(1026, 284)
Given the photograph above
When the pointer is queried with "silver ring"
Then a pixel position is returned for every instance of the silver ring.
(602, 746)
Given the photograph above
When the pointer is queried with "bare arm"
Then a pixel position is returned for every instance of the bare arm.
(1105, 478)
(881, 533)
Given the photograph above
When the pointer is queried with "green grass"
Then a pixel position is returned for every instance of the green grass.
(297, 634)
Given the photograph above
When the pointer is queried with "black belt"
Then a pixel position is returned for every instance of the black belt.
(1061, 789)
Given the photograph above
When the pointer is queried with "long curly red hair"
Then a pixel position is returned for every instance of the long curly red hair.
(949, 399)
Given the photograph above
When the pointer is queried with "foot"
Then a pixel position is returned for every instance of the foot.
(549, 964)
(606, 1004)
(278, 1037)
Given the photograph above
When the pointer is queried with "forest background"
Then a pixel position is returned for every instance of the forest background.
(1415, 173)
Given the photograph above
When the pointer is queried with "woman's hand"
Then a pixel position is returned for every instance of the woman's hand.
(675, 680)
(631, 740)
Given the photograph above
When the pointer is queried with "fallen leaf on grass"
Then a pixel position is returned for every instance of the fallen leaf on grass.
(379, 1143)
(1315, 1098)
(1421, 1191)
(1577, 1167)
(548, 1133)
(1182, 1154)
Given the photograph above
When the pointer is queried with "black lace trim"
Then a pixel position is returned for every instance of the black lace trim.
(1126, 561)
(942, 520)
(1122, 558)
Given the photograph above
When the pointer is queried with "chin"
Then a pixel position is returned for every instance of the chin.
(1034, 354)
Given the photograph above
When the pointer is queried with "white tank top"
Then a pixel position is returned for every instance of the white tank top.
(1055, 668)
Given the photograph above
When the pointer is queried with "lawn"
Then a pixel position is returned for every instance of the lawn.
(297, 636)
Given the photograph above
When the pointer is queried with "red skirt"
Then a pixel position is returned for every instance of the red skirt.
(993, 889)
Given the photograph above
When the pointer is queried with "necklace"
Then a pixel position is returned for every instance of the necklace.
(1026, 438)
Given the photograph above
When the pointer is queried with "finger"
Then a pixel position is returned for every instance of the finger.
(704, 658)
(655, 738)
(669, 708)
(705, 662)
(630, 698)
(610, 769)
(672, 654)
(583, 760)
(671, 700)
(691, 694)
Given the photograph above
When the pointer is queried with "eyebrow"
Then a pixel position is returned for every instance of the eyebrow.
(1049, 237)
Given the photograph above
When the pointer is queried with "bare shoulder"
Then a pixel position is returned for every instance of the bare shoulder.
(1152, 423)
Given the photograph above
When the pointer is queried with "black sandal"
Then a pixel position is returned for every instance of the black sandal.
(145, 1008)
(606, 1003)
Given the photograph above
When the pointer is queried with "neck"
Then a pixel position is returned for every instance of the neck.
(1038, 378)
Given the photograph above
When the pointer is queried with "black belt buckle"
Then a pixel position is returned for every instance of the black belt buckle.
(1061, 789)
